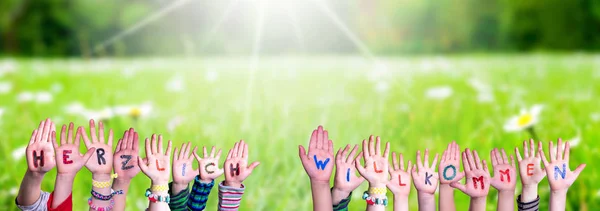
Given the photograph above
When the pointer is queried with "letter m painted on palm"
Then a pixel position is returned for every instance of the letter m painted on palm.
(320, 164)
(480, 179)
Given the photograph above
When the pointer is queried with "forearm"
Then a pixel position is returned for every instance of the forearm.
(446, 198)
(230, 197)
(400, 203)
(558, 200)
(199, 195)
(477, 203)
(375, 206)
(338, 195)
(123, 185)
(530, 193)
(101, 190)
(506, 201)
(30, 189)
(426, 201)
(321, 196)
(63, 186)
(159, 205)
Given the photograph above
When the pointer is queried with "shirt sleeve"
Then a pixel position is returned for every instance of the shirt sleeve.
(66, 205)
(199, 195)
(230, 197)
(179, 200)
(39, 205)
(343, 205)
(528, 206)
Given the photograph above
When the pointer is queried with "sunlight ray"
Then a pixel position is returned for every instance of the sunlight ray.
(148, 19)
(213, 30)
(297, 30)
(254, 63)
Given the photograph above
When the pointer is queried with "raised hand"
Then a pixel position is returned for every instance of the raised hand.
(40, 152)
(424, 176)
(505, 173)
(183, 171)
(102, 163)
(345, 179)
(376, 164)
(399, 183)
(69, 161)
(559, 174)
(158, 165)
(126, 155)
(236, 165)
(449, 169)
(320, 153)
(477, 183)
(530, 166)
(208, 166)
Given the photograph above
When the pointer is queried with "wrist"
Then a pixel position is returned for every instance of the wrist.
(376, 185)
(319, 183)
(177, 187)
(425, 196)
(337, 195)
(34, 175)
(530, 193)
(101, 177)
(206, 180)
(232, 184)
(559, 193)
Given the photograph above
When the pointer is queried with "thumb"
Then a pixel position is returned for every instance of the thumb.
(142, 164)
(359, 167)
(459, 186)
(578, 171)
(253, 165)
(459, 176)
(302, 154)
(89, 154)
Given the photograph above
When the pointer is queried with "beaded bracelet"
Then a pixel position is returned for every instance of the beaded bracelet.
(377, 191)
(107, 208)
(106, 197)
(157, 198)
(374, 201)
(159, 188)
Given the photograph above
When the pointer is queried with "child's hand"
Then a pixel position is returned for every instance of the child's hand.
(400, 182)
(102, 164)
(505, 173)
(183, 171)
(320, 152)
(477, 176)
(376, 165)
(560, 175)
(69, 160)
(158, 166)
(449, 170)
(529, 166)
(40, 153)
(236, 165)
(208, 166)
(345, 178)
(126, 155)
(424, 176)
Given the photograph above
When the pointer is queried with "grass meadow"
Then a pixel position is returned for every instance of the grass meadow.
(413, 102)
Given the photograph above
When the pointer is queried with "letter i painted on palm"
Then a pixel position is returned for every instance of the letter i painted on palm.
(348, 175)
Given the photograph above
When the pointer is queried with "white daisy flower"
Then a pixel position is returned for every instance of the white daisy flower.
(43, 97)
(25, 97)
(439, 93)
(19, 153)
(5, 87)
(526, 119)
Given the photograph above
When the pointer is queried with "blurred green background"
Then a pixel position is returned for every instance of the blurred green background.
(419, 73)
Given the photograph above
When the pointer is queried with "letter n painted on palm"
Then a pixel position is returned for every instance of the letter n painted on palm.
(562, 173)
(319, 163)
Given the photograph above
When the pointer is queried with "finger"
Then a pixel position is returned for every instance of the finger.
(352, 154)
(81, 132)
(512, 159)
(218, 156)
(46, 132)
(160, 144)
(212, 151)
(444, 155)
(88, 154)
(63, 135)
(123, 142)
(426, 158)
(402, 162)
(567, 151)
(136, 143)
(235, 149)
(531, 148)
(386, 152)
(419, 163)
(101, 132)
(54, 143)
(359, 167)
(40, 130)
(559, 149)
(312, 144)
(485, 166)
(493, 157)
(33, 136)
(471, 159)
(193, 151)
(365, 149)
(148, 148)
(541, 153)
(504, 157)
(465, 160)
(110, 138)
(205, 152)
(378, 145)
(519, 158)
(477, 160)
(338, 157)
(526, 149)
(330, 147)
(168, 152)
(320, 141)
(142, 164)
(93, 131)
(245, 155)
(394, 162)
(409, 165)
(196, 156)
(539, 147)
(459, 186)
(153, 144)
(552, 152)
(187, 151)
(229, 154)
(435, 159)
(119, 143)
(372, 146)
(177, 154)
(498, 157)
(130, 137)
(241, 147)
(578, 171)
(325, 140)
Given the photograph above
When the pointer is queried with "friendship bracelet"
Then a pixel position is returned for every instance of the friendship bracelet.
(157, 198)
(107, 208)
(377, 191)
(106, 197)
(374, 201)
(104, 184)
(159, 188)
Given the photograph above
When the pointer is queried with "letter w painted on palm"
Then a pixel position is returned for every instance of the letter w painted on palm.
(320, 164)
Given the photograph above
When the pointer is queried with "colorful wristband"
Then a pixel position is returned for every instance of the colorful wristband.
(104, 184)
(99, 196)
(374, 201)
(377, 191)
(107, 208)
(159, 188)
(157, 198)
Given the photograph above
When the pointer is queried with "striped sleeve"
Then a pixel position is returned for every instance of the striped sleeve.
(528, 206)
(230, 197)
(343, 205)
(199, 195)
(179, 200)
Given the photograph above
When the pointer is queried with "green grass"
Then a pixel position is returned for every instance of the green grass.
(290, 96)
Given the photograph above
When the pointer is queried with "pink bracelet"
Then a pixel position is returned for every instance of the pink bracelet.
(107, 208)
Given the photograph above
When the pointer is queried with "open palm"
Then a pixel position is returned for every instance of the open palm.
(158, 168)
(559, 174)
(236, 165)
(477, 175)
(505, 174)
(424, 176)
(320, 152)
(530, 167)
(70, 160)
(208, 166)
(376, 164)
(102, 164)
(449, 169)
(183, 171)
(39, 144)
(126, 155)
(399, 183)
(345, 177)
